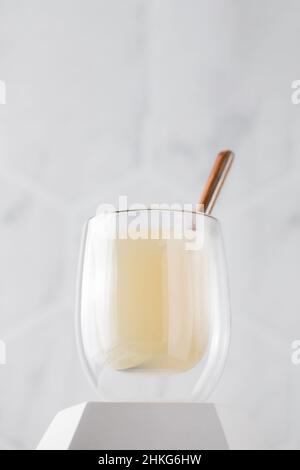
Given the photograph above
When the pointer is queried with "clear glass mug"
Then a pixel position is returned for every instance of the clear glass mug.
(153, 319)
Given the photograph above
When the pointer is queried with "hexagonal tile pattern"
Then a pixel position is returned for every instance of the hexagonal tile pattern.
(74, 92)
(135, 98)
(262, 244)
(254, 387)
(32, 254)
(228, 89)
(43, 375)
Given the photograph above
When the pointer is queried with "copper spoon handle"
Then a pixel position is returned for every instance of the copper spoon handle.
(215, 181)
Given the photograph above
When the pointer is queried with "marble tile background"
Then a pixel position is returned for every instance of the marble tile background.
(136, 97)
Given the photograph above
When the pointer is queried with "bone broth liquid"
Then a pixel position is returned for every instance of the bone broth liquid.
(158, 318)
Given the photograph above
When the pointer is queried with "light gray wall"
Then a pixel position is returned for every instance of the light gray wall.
(136, 97)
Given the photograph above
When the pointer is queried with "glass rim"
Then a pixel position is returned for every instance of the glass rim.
(159, 210)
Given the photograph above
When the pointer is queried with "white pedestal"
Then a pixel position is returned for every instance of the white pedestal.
(136, 426)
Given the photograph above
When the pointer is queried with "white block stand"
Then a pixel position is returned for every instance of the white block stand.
(136, 426)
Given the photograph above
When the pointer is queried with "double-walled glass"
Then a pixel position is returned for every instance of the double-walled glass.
(153, 316)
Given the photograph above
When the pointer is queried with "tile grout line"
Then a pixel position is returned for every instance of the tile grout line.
(29, 185)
